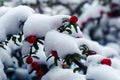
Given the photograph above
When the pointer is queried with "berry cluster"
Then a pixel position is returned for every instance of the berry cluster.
(35, 66)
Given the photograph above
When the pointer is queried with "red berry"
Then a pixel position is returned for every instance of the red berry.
(101, 12)
(31, 39)
(89, 19)
(35, 65)
(109, 14)
(83, 24)
(106, 61)
(39, 73)
(54, 53)
(29, 60)
(114, 5)
(73, 19)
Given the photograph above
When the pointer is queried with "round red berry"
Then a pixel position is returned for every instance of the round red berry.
(114, 5)
(29, 60)
(54, 53)
(31, 39)
(39, 73)
(109, 14)
(89, 19)
(83, 24)
(106, 61)
(73, 19)
(101, 12)
(35, 65)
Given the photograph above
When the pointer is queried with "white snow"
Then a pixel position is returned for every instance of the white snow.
(99, 49)
(6, 58)
(102, 72)
(3, 10)
(29, 1)
(62, 43)
(71, 1)
(13, 17)
(93, 11)
(21, 74)
(97, 71)
(2, 75)
(39, 24)
(62, 74)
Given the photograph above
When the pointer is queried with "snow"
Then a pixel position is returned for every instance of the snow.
(94, 60)
(93, 11)
(71, 1)
(2, 75)
(97, 71)
(115, 46)
(6, 58)
(21, 74)
(62, 43)
(35, 24)
(18, 14)
(60, 10)
(62, 74)
(109, 52)
(75, 34)
(25, 49)
(115, 64)
(40, 54)
(102, 72)
(29, 1)
(42, 25)
(99, 49)
(3, 10)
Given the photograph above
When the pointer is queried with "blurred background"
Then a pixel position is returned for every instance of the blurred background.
(98, 19)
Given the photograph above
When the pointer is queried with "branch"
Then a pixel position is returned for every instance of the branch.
(39, 7)
(81, 65)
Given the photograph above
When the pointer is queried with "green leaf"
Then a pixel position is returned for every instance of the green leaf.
(40, 42)
(31, 71)
(48, 58)
(25, 56)
(77, 56)
(58, 58)
(36, 57)
(69, 59)
(55, 61)
(35, 46)
(6, 42)
(69, 31)
(86, 49)
(76, 69)
(75, 27)
(65, 20)
(20, 38)
(69, 26)
(14, 38)
(9, 37)
(2, 47)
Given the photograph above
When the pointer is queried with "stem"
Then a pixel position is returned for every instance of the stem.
(39, 7)
(81, 65)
